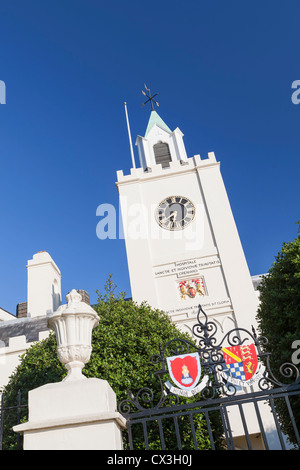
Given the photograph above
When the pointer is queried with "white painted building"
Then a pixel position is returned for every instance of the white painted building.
(182, 244)
(183, 247)
(18, 332)
(5, 315)
(44, 285)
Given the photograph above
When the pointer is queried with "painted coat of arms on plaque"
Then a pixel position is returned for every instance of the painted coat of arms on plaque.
(190, 288)
(242, 364)
(185, 372)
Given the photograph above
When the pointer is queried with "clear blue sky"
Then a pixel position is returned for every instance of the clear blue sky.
(223, 71)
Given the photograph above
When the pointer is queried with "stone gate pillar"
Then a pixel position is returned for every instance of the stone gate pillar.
(77, 413)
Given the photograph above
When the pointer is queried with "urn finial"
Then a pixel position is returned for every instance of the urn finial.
(73, 297)
(73, 324)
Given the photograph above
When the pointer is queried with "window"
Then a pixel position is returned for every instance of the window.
(162, 154)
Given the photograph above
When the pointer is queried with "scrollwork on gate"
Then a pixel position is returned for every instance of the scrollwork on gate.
(213, 365)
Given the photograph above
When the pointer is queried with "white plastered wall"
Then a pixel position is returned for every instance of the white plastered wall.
(210, 244)
(44, 285)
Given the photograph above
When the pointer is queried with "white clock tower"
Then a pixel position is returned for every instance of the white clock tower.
(182, 243)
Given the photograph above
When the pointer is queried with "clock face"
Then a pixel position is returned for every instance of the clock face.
(175, 213)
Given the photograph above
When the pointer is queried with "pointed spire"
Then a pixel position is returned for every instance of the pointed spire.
(156, 119)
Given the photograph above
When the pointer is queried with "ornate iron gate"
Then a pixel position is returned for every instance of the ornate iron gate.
(237, 389)
(10, 415)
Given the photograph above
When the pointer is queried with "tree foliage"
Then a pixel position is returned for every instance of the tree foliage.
(123, 343)
(279, 314)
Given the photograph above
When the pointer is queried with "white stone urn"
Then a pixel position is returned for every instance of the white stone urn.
(73, 324)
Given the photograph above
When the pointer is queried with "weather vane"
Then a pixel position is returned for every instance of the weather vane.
(150, 98)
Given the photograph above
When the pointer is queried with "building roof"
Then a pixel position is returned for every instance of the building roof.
(29, 327)
(5, 315)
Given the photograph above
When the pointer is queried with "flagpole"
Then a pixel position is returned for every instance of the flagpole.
(129, 135)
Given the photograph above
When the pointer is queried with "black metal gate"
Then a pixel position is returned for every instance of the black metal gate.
(231, 412)
(10, 416)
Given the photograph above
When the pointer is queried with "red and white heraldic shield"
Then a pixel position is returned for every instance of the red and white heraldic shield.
(185, 370)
